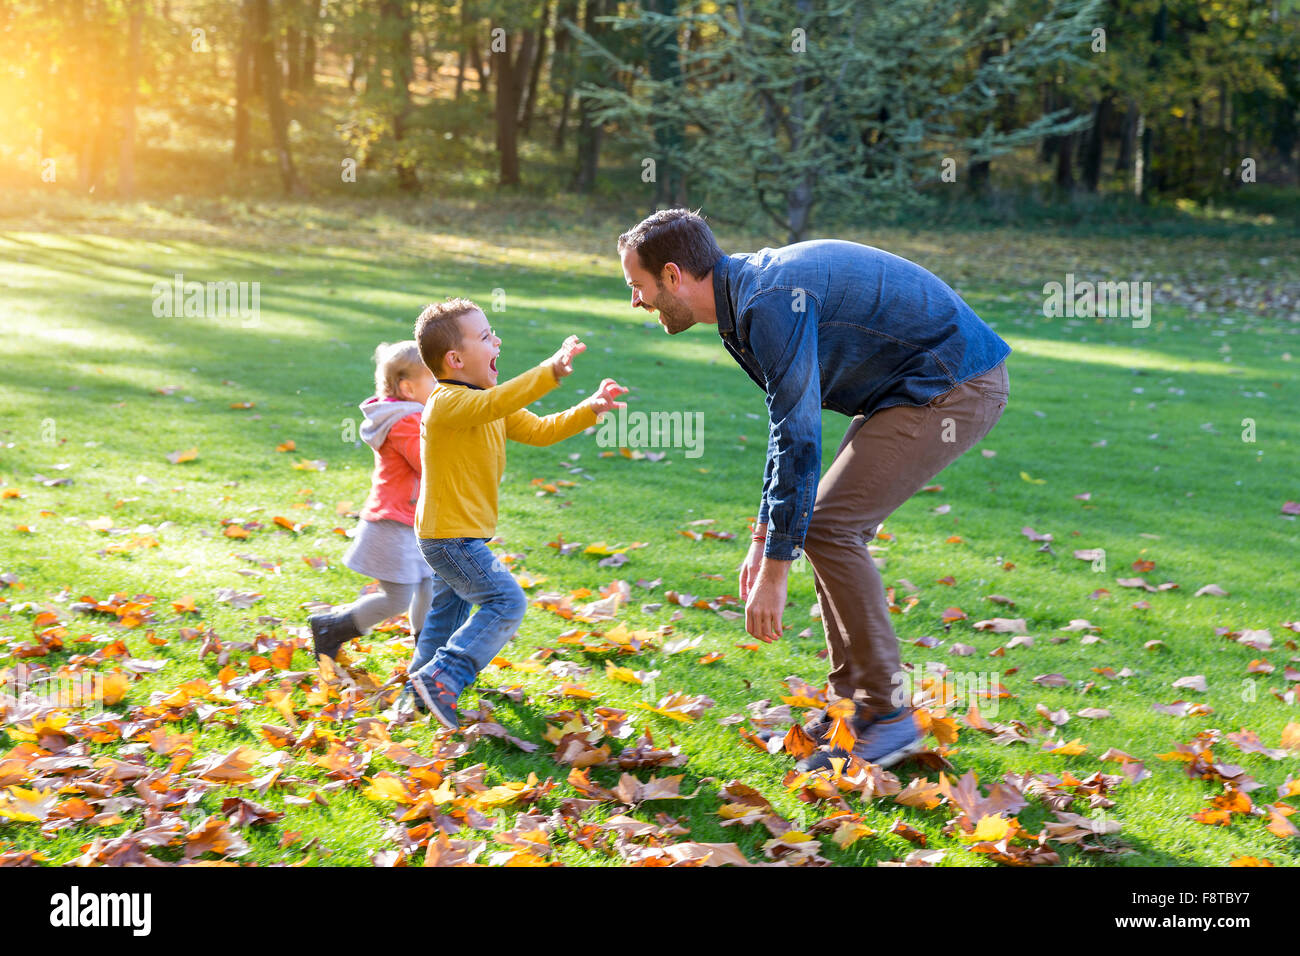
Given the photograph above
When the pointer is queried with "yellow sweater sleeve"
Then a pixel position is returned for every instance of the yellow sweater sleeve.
(467, 407)
(524, 426)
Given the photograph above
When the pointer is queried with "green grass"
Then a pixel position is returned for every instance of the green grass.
(1173, 483)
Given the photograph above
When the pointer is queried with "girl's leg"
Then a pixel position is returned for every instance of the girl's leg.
(421, 599)
(331, 631)
(370, 609)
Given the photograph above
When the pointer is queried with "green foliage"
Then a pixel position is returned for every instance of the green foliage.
(831, 103)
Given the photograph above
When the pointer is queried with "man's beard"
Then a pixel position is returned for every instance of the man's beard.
(673, 312)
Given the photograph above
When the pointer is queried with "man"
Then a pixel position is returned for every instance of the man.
(838, 325)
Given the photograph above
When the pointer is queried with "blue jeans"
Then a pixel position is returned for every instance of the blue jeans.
(453, 646)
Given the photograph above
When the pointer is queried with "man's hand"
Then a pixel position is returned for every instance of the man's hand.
(562, 361)
(603, 399)
(766, 601)
(749, 570)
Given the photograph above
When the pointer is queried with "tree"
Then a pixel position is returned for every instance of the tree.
(126, 155)
(593, 75)
(264, 54)
(511, 53)
(788, 109)
(397, 64)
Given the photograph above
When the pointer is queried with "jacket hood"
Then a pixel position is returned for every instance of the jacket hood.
(381, 415)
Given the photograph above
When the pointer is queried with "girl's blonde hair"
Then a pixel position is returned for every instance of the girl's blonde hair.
(395, 361)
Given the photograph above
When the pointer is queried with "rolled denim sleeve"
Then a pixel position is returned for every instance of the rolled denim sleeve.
(767, 476)
(784, 342)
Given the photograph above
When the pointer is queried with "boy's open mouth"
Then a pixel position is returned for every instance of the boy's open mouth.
(493, 363)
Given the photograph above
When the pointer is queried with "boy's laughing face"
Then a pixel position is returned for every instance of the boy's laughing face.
(475, 361)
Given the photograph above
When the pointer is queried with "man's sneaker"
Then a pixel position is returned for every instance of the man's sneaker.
(883, 742)
(818, 728)
(438, 699)
(329, 632)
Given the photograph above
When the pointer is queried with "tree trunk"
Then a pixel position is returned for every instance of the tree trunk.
(562, 66)
(535, 75)
(799, 197)
(1124, 159)
(275, 112)
(510, 74)
(588, 136)
(311, 23)
(669, 133)
(126, 157)
(1141, 152)
(1094, 143)
(977, 174)
(1064, 166)
(469, 29)
(96, 142)
(243, 84)
(589, 131)
(292, 50)
(395, 33)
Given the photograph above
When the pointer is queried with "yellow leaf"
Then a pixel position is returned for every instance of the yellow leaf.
(991, 827)
(798, 700)
(387, 787)
(623, 674)
(849, 833)
(112, 687)
(1071, 749)
(736, 811)
(1033, 481)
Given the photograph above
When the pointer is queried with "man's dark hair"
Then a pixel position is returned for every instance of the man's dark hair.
(673, 235)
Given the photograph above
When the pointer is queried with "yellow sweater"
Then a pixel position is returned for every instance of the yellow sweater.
(463, 434)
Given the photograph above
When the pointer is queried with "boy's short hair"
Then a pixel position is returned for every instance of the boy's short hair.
(394, 362)
(673, 235)
(438, 331)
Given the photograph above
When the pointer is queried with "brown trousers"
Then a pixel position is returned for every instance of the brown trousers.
(883, 461)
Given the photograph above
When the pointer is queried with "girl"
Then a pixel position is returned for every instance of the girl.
(385, 547)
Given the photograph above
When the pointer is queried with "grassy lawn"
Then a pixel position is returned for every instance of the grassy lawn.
(1147, 423)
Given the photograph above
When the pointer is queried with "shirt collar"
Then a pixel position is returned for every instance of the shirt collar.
(452, 381)
(721, 300)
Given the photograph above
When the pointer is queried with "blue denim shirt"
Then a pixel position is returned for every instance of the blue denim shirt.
(838, 325)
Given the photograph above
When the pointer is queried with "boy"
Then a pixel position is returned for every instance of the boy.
(463, 431)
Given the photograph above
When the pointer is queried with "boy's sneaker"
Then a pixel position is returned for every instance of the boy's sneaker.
(437, 698)
(329, 632)
(883, 742)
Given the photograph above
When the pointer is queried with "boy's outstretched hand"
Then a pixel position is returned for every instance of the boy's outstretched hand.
(562, 361)
(603, 399)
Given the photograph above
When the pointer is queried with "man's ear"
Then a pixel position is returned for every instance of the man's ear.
(672, 275)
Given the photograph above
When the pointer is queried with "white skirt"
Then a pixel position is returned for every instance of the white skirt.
(387, 550)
